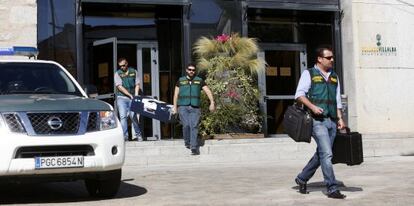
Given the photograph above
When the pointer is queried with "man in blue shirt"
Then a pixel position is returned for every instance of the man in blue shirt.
(319, 90)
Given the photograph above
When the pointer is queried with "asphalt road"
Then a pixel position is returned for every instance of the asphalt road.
(378, 181)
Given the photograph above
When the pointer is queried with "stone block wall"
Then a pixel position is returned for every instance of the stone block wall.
(378, 65)
(18, 23)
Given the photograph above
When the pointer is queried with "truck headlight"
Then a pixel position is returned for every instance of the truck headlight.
(107, 120)
(2, 124)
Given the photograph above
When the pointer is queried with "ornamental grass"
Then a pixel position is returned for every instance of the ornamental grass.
(230, 65)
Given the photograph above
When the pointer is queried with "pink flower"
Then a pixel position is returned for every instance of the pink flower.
(222, 38)
(233, 94)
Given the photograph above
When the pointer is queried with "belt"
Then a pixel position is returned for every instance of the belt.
(188, 106)
(320, 119)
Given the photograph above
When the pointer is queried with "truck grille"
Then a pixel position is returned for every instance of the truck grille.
(41, 123)
(63, 123)
(93, 122)
(14, 123)
(52, 151)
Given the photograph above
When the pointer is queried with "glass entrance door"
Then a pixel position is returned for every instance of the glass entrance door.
(141, 55)
(104, 66)
(277, 83)
(147, 62)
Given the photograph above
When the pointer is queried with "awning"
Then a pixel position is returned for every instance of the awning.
(314, 5)
(157, 2)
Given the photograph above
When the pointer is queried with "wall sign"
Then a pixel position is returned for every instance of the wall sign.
(271, 71)
(147, 78)
(379, 49)
(285, 71)
(103, 69)
(378, 44)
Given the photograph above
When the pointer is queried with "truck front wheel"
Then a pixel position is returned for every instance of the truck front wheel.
(105, 185)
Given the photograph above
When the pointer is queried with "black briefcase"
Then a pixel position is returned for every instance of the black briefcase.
(297, 123)
(347, 148)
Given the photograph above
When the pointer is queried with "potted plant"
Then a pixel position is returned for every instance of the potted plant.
(230, 65)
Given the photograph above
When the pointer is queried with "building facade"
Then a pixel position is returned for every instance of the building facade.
(378, 64)
(370, 38)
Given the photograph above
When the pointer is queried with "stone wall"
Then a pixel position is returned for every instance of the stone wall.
(18, 23)
(378, 51)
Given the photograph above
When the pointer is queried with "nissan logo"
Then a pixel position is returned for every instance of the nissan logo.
(55, 123)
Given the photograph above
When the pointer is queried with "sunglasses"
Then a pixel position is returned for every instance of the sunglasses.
(122, 65)
(328, 57)
(191, 70)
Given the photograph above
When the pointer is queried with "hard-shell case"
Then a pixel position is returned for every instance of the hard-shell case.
(347, 148)
(152, 108)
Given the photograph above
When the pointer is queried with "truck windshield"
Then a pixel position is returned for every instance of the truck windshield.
(35, 78)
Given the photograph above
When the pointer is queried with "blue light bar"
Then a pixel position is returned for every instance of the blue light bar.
(6, 51)
(19, 51)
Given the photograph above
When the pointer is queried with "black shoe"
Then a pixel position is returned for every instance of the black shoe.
(336, 195)
(302, 186)
(187, 146)
(195, 152)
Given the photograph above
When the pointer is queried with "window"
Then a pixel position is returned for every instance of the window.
(35, 78)
(56, 32)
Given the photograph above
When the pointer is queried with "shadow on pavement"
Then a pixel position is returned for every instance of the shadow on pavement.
(320, 186)
(127, 190)
(58, 192)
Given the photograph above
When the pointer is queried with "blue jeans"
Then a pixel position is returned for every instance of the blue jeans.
(124, 108)
(190, 117)
(324, 133)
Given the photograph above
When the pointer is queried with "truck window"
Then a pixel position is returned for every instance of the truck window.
(38, 78)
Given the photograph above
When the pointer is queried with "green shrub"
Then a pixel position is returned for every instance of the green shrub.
(230, 65)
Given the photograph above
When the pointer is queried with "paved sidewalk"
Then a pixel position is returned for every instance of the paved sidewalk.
(378, 181)
(173, 153)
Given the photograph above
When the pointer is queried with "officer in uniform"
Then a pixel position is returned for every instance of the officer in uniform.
(319, 90)
(187, 99)
(127, 86)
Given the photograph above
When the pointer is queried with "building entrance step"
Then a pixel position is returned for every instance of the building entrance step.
(231, 151)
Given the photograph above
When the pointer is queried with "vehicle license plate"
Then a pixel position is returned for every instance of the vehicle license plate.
(58, 162)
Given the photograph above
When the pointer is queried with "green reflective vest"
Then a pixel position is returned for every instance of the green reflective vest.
(323, 93)
(128, 81)
(190, 90)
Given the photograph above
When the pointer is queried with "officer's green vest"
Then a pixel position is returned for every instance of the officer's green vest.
(323, 93)
(128, 81)
(189, 91)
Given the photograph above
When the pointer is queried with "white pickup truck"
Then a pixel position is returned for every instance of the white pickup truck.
(51, 131)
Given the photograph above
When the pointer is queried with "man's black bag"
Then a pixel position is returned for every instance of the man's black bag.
(297, 123)
(347, 148)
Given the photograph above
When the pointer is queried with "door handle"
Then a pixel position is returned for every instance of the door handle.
(265, 98)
